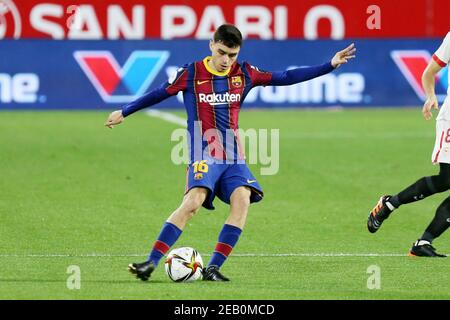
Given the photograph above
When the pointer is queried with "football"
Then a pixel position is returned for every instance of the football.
(184, 264)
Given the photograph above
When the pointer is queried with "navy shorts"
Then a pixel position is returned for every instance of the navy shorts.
(221, 179)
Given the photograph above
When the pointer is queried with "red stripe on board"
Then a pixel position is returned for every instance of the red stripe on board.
(104, 72)
(415, 66)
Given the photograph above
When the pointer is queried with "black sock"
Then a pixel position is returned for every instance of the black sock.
(424, 187)
(419, 190)
(440, 222)
(395, 201)
(427, 236)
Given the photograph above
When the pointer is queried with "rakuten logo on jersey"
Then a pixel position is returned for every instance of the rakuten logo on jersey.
(215, 99)
(19, 88)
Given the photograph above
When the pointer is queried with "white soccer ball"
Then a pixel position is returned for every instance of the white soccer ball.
(184, 264)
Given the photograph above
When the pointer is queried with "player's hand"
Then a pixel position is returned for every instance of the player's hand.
(431, 103)
(114, 118)
(343, 56)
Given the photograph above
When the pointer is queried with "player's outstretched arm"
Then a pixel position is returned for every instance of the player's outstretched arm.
(297, 75)
(153, 97)
(343, 56)
(428, 82)
(174, 85)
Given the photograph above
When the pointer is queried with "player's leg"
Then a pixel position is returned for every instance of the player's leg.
(239, 204)
(170, 232)
(419, 190)
(230, 233)
(192, 202)
(176, 222)
(439, 224)
(200, 190)
(423, 187)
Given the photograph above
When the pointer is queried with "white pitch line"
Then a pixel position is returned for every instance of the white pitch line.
(107, 255)
(169, 117)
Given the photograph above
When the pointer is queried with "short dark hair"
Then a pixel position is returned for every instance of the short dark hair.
(229, 35)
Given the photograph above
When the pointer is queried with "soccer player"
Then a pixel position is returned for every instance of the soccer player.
(213, 91)
(426, 186)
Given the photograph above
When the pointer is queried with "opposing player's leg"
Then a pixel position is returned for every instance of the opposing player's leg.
(170, 232)
(419, 190)
(440, 223)
(423, 187)
(231, 231)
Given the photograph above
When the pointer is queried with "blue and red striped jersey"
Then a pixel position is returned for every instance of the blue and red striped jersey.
(213, 101)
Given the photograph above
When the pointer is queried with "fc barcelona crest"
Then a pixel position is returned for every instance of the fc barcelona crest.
(198, 176)
(236, 81)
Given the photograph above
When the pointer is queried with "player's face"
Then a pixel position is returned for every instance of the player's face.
(222, 56)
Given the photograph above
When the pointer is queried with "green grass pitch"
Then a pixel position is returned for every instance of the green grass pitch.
(76, 193)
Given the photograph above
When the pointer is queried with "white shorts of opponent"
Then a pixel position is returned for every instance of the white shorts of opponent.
(441, 151)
